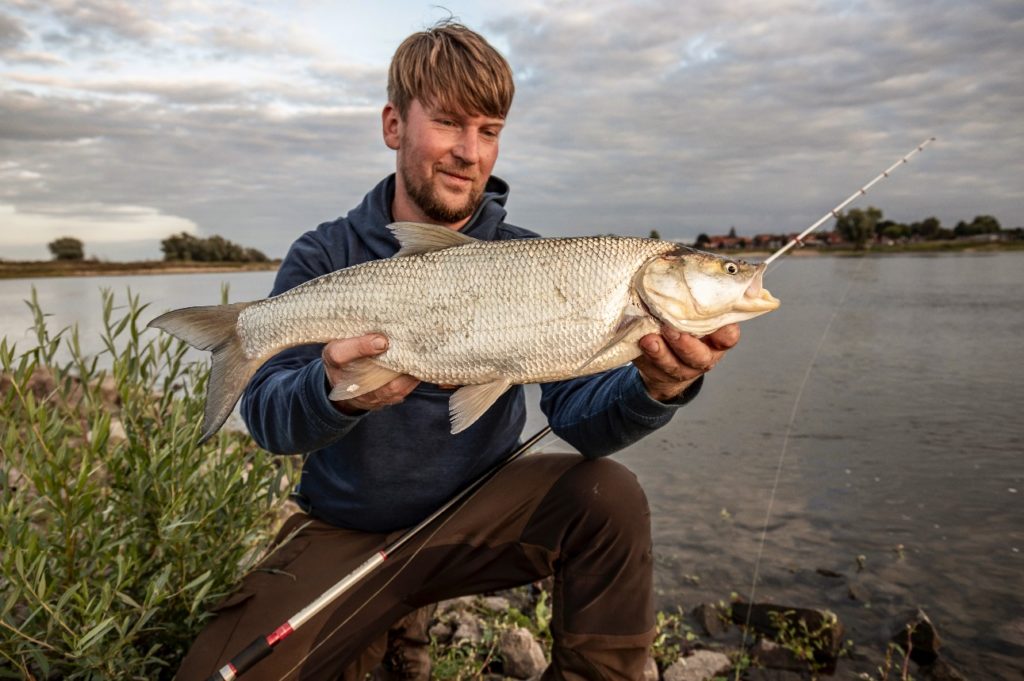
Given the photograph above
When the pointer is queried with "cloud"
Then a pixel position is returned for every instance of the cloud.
(686, 118)
(11, 32)
(97, 225)
(759, 115)
(115, 19)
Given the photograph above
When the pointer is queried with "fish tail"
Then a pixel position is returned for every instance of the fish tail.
(214, 328)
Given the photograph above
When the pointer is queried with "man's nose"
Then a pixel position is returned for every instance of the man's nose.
(467, 147)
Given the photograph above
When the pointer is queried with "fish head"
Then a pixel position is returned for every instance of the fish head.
(697, 292)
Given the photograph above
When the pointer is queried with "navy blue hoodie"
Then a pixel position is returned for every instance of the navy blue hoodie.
(389, 468)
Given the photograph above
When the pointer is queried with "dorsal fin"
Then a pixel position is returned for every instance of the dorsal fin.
(418, 237)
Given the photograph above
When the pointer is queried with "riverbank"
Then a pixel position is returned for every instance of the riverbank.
(507, 636)
(95, 268)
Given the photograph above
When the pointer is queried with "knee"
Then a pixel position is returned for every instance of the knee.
(601, 499)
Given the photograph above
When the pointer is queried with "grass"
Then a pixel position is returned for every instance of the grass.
(118, 531)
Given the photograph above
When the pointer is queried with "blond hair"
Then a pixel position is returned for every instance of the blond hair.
(451, 67)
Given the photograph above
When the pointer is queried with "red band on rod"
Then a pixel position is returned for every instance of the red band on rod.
(281, 633)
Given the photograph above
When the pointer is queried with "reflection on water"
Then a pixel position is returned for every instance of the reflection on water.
(77, 300)
(905, 449)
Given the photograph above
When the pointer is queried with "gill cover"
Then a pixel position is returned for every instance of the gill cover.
(697, 292)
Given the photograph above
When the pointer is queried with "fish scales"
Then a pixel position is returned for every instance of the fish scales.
(525, 310)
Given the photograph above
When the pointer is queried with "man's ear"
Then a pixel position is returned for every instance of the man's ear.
(391, 125)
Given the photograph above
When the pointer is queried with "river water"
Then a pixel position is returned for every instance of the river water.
(885, 396)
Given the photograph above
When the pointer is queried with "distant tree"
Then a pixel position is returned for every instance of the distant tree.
(895, 230)
(981, 224)
(185, 247)
(655, 234)
(66, 248)
(702, 240)
(928, 228)
(858, 226)
(253, 255)
(732, 232)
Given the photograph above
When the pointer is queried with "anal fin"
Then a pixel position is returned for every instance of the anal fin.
(360, 377)
(471, 401)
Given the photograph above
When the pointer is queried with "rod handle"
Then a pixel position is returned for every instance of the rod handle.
(243, 661)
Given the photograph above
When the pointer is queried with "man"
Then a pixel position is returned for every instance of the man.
(383, 461)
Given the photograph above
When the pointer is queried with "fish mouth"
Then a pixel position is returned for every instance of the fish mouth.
(757, 298)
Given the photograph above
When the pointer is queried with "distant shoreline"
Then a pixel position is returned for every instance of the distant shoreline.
(87, 268)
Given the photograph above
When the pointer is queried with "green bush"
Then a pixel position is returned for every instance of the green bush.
(118, 532)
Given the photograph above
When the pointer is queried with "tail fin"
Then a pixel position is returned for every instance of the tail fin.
(213, 328)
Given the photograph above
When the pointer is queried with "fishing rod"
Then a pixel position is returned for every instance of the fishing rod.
(834, 213)
(264, 645)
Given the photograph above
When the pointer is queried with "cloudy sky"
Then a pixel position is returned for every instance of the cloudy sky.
(124, 121)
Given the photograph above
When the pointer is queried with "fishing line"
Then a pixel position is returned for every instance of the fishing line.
(785, 448)
(536, 450)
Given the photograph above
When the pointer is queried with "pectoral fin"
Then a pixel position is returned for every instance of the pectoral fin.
(360, 377)
(471, 401)
(629, 321)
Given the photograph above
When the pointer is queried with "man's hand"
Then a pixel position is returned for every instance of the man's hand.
(673, 360)
(338, 353)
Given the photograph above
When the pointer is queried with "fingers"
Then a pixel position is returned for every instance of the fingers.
(682, 361)
(389, 394)
(340, 352)
(673, 360)
(723, 339)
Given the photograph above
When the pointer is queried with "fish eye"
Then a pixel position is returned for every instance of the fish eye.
(731, 268)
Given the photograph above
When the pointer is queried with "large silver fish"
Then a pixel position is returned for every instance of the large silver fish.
(479, 314)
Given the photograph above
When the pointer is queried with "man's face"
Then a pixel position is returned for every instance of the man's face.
(444, 161)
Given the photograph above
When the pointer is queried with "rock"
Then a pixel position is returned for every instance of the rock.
(468, 627)
(923, 640)
(940, 670)
(822, 625)
(523, 656)
(521, 598)
(759, 674)
(774, 656)
(440, 632)
(495, 603)
(703, 665)
(454, 605)
(651, 670)
(713, 622)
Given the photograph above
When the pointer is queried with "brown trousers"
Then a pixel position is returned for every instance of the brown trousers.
(585, 522)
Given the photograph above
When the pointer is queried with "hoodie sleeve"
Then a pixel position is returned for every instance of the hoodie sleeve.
(603, 413)
(285, 405)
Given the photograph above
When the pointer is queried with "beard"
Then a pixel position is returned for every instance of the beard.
(424, 196)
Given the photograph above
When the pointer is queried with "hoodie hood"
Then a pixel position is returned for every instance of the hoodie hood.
(370, 218)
